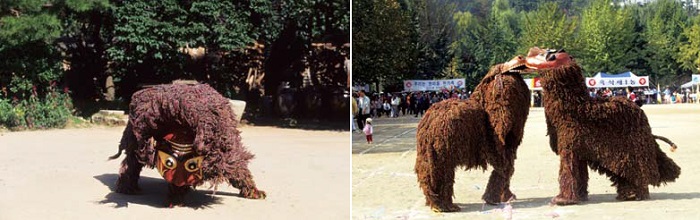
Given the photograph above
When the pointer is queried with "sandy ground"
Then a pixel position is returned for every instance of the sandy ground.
(65, 174)
(385, 186)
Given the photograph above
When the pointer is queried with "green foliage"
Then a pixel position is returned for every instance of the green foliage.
(26, 29)
(30, 70)
(52, 111)
(85, 5)
(10, 116)
(689, 54)
(435, 32)
(547, 27)
(605, 37)
(482, 42)
(665, 23)
(382, 50)
(317, 20)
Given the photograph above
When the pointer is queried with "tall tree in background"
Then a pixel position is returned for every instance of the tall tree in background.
(469, 56)
(547, 27)
(482, 42)
(382, 50)
(29, 36)
(639, 63)
(605, 38)
(150, 37)
(665, 23)
(435, 34)
(504, 27)
(689, 56)
(302, 23)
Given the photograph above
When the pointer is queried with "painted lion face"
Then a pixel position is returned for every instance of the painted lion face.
(540, 59)
(178, 163)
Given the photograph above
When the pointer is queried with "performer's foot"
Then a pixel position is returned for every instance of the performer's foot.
(558, 200)
(445, 208)
(631, 196)
(127, 188)
(253, 194)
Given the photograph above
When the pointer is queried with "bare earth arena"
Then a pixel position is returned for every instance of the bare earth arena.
(65, 174)
(384, 185)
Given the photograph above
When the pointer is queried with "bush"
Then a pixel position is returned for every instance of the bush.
(10, 116)
(52, 111)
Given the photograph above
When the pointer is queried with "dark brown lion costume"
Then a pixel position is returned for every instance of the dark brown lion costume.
(486, 129)
(610, 135)
(199, 117)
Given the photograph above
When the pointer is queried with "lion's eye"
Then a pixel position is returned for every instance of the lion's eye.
(193, 164)
(167, 160)
(170, 163)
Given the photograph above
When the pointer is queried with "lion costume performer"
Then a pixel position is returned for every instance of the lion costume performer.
(610, 135)
(486, 129)
(188, 132)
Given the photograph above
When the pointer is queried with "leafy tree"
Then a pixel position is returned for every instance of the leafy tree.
(435, 30)
(664, 27)
(483, 42)
(605, 38)
(547, 27)
(471, 57)
(383, 50)
(502, 28)
(689, 54)
(302, 23)
(32, 69)
(638, 55)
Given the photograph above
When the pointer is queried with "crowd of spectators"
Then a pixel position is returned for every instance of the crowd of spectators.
(399, 104)
(649, 95)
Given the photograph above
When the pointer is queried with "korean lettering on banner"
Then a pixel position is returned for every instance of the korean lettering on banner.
(617, 82)
(432, 85)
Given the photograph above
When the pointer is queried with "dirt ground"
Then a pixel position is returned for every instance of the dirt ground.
(65, 174)
(384, 185)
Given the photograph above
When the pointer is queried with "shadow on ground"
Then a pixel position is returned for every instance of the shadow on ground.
(592, 199)
(304, 124)
(153, 193)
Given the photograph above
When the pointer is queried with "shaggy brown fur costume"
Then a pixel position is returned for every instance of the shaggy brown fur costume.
(485, 129)
(610, 135)
(194, 109)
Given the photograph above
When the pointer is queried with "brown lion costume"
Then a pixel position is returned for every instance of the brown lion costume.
(486, 129)
(189, 133)
(610, 135)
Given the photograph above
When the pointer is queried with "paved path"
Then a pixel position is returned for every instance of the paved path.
(385, 186)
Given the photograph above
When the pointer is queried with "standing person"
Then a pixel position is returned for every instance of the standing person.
(419, 103)
(403, 104)
(395, 101)
(423, 104)
(364, 109)
(368, 130)
(376, 108)
(435, 99)
(353, 113)
(411, 101)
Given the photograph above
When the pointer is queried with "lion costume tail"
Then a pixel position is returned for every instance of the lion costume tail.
(128, 139)
(668, 170)
(669, 142)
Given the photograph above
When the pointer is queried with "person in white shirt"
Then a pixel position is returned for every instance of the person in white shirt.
(363, 103)
(395, 101)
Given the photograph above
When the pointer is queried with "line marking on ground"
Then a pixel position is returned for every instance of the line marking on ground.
(386, 140)
(378, 170)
